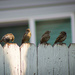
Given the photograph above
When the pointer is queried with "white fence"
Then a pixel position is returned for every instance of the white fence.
(42, 60)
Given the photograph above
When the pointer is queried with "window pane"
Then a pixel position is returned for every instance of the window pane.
(55, 26)
(18, 31)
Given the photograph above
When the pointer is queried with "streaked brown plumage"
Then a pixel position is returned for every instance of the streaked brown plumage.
(7, 38)
(45, 37)
(26, 36)
(61, 37)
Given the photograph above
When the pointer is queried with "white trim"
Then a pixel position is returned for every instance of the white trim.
(32, 28)
(53, 16)
(73, 27)
(26, 14)
(39, 17)
(24, 4)
(56, 16)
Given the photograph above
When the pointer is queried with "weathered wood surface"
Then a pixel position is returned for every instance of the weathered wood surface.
(72, 59)
(53, 60)
(45, 60)
(28, 59)
(1, 61)
(12, 59)
(60, 60)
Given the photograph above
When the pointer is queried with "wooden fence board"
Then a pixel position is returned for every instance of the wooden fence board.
(60, 60)
(28, 59)
(1, 61)
(72, 59)
(45, 60)
(12, 59)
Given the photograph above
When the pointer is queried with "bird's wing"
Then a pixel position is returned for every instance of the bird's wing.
(8, 36)
(25, 34)
(58, 38)
(5, 38)
(45, 33)
(45, 37)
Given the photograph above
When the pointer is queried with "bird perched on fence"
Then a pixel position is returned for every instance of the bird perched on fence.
(7, 38)
(26, 36)
(61, 37)
(45, 37)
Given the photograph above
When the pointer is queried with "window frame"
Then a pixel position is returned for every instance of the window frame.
(52, 17)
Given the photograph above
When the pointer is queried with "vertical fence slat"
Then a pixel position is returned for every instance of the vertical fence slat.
(1, 61)
(45, 60)
(57, 60)
(12, 59)
(60, 60)
(28, 59)
(72, 59)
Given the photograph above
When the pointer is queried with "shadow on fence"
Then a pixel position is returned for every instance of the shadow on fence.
(42, 60)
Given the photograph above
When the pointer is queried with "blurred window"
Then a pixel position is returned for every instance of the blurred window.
(18, 29)
(55, 26)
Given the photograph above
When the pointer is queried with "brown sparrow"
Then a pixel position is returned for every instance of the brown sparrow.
(45, 37)
(26, 36)
(61, 37)
(7, 38)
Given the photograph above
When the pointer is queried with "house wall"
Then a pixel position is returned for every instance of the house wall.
(31, 10)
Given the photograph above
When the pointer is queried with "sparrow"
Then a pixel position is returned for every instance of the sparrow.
(61, 37)
(26, 36)
(7, 38)
(45, 37)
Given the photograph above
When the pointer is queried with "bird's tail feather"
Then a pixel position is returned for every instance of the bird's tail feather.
(54, 43)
